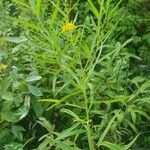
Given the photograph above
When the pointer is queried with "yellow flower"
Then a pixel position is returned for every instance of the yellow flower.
(68, 27)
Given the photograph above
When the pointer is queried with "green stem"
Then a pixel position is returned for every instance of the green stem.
(90, 141)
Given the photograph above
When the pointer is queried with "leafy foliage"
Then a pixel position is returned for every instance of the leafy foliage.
(84, 88)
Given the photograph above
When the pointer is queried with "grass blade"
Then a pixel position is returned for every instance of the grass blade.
(38, 7)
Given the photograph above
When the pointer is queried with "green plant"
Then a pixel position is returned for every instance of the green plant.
(82, 92)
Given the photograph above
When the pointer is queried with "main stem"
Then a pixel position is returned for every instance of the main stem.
(90, 141)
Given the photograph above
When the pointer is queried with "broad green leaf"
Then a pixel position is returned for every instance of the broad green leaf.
(13, 146)
(27, 101)
(22, 112)
(17, 131)
(33, 78)
(5, 84)
(7, 96)
(34, 90)
(37, 107)
(5, 137)
(4, 133)
(9, 116)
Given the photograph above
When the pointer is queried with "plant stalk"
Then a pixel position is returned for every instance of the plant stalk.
(90, 141)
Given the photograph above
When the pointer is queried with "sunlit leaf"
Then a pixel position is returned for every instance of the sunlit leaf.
(33, 78)
(34, 90)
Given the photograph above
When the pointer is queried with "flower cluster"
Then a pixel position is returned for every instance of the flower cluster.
(68, 27)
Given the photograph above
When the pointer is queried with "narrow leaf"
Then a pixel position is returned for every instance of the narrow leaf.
(93, 8)
(106, 131)
(69, 112)
(38, 8)
(131, 143)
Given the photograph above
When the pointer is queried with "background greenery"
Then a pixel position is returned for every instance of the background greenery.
(85, 89)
